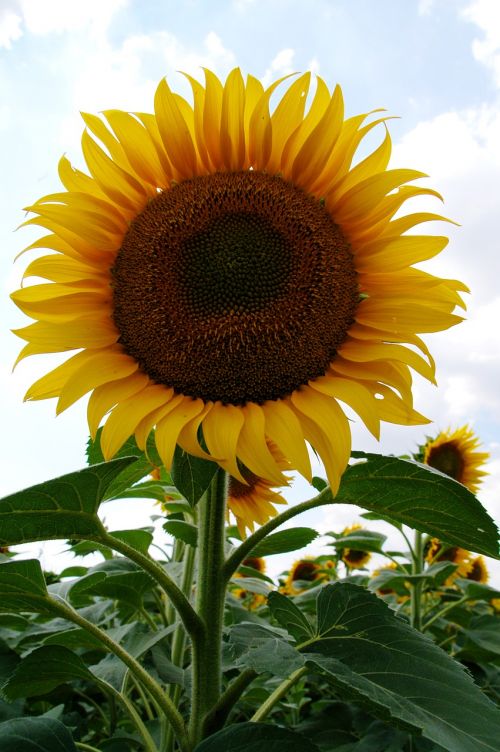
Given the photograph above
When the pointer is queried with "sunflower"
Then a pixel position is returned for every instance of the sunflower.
(231, 275)
(253, 499)
(354, 558)
(455, 454)
(436, 550)
(304, 570)
(478, 571)
(252, 600)
(401, 592)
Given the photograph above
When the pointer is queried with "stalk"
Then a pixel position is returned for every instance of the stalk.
(416, 588)
(278, 694)
(210, 596)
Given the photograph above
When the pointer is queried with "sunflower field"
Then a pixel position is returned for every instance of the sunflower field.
(231, 285)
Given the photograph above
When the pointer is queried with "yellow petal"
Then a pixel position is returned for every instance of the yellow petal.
(221, 430)
(174, 131)
(286, 118)
(169, 427)
(59, 268)
(75, 180)
(126, 416)
(252, 446)
(326, 428)
(391, 255)
(115, 182)
(283, 427)
(305, 127)
(104, 397)
(72, 335)
(321, 141)
(97, 369)
(51, 384)
(145, 427)
(351, 350)
(232, 132)
(138, 146)
(365, 196)
(395, 375)
(353, 394)
(393, 409)
(188, 436)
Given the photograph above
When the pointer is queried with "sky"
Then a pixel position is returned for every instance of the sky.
(434, 64)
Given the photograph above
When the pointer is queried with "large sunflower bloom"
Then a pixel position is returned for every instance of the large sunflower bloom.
(226, 270)
(455, 454)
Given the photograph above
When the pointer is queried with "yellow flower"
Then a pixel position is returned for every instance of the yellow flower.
(353, 558)
(436, 551)
(401, 596)
(225, 270)
(256, 599)
(455, 454)
(303, 570)
(478, 571)
(252, 500)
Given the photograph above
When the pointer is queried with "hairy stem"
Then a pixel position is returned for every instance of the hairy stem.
(278, 694)
(219, 713)
(186, 612)
(416, 588)
(154, 689)
(210, 596)
(244, 549)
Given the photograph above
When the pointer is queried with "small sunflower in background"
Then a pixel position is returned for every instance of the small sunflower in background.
(354, 558)
(456, 454)
(252, 600)
(306, 571)
(478, 571)
(400, 592)
(232, 274)
(435, 550)
(252, 500)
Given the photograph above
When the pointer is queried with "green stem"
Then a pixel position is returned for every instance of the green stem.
(135, 718)
(179, 638)
(244, 549)
(219, 713)
(278, 694)
(444, 611)
(134, 666)
(210, 597)
(189, 617)
(86, 747)
(416, 587)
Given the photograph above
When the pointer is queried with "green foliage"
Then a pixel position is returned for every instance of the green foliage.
(65, 507)
(420, 497)
(256, 737)
(192, 475)
(285, 541)
(35, 735)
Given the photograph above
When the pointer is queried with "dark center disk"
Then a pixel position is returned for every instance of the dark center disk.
(306, 570)
(234, 286)
(447, 459)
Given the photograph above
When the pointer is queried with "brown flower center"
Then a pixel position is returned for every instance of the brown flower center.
(305, 570)
(235, 287)
(447, 459)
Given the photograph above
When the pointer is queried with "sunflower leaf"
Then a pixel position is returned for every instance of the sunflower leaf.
(184, 531)
(374, 657)
(43, 670)
(290, 616)
(422, 498)
(263, 649)
(256, 737)
(23, 588)
(192, 475)
(286, 540)
(64, 507)
(35, 735)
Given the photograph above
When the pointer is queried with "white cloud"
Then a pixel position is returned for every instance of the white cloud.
(486, 15)
(10, 26)
(62, 16)
(424, 7)
(281, 65)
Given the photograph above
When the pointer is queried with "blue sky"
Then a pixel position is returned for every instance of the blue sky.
(433, 63)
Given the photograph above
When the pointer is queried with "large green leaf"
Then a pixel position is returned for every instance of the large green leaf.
(22, 587)
(192, 475)
(43, 670)
(262, 649)
(420, 497)
(290, 616)
(374, 657)
(35, 735)
(285, 541)
(256, 737)
(64, 507)
(143, 464)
